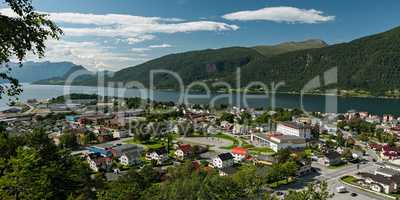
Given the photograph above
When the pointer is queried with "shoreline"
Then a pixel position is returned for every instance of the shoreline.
(242, 92)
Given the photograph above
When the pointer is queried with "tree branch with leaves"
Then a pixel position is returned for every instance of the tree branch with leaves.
(26, 31)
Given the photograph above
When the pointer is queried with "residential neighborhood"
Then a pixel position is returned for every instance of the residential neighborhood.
(361, 154)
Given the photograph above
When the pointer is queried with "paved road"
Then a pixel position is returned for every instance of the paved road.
(361, 195)
(333, 179)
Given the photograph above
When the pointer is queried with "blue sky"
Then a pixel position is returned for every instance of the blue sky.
(105, 34)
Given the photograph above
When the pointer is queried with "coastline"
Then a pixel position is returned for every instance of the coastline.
(241, 91)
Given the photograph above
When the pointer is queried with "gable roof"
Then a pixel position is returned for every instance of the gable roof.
(126, 147)
(225, 156)
(186, 148)
(239, 150)
(332, 155)
(377, 178)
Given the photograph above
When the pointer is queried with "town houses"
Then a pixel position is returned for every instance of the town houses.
(227, 140)
(223, 160)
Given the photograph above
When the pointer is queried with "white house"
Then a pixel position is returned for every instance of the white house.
(120, 133)
(98, 163)
(239, 154)
(130, 157)
(223, 160)
(239, 129)
(183, 151)
(159, 155)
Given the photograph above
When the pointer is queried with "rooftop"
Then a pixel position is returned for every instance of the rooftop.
(295, 125)
(387, 171)
(225, 156)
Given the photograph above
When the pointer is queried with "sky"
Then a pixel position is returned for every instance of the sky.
(114, 34)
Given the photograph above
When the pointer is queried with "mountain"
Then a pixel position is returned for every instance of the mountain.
(60, 78)
(210, 64)
(34, 71)
(271, 50)
(370, 64)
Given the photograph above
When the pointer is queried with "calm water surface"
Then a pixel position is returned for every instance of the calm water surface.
(311, 103)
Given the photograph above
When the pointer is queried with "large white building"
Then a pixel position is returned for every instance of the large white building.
(277, 141)
(294, 129)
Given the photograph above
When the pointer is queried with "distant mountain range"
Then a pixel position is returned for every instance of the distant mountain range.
(35, 71)
(370, 64)
(215, 63)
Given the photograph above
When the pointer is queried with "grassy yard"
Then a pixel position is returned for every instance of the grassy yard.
(282, 182)
(149, 145)
(235, 141)
(337, 166)
(261, 150)
(349, 179)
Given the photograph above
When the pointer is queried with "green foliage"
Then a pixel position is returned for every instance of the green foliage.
(34, 168)
(129, 186)
(312, 192)
(289, 46)
(20, 35)
(61, 99)
(68, 140)
(227, 117)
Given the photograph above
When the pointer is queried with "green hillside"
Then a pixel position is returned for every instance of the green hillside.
(370, 64)
(206, 65)
(271, 50)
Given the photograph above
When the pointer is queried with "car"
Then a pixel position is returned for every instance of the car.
(341, 189)
(353, 194)
(279, 193)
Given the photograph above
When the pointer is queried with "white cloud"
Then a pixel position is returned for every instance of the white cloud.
(281, 14)
(91, 55)
(136, 28)
(139, 50)
(98, 30)
(160, 46)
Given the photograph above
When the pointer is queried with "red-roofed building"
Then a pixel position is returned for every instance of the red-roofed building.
(389, 152)
(239, 154)
(184, 151)
(99, 163)
(375, 147)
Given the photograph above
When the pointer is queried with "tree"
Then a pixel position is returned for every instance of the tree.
(245, 117)
(251, 179)
(129, 186)
(363, 137)
(22, 34)
(283, 155)
(228, 117)
(68, 140)
(312, 192)
(38, 169)
(340, 139)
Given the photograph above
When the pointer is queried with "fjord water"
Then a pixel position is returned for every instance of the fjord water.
(311, 102)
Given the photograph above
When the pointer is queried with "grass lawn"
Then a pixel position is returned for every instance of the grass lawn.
(235, 141)
(149, 145)
(281, 182)
(349, 179)
(337, 166)
(261, 150)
